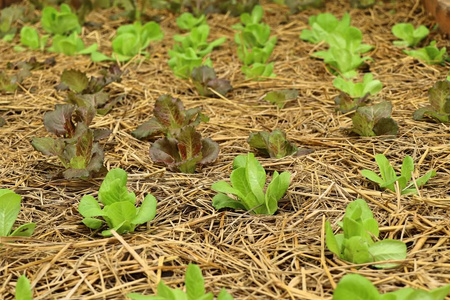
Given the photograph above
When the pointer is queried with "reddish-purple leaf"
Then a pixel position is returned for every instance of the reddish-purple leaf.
(59, 121)
(210, 151)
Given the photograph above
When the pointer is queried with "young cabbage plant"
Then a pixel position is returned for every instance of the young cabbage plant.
(281, 97)
(323, 25)
(60, 23)
(9, 210)
(119, 206)
(30, 37)
(71, 45)
(170, 117)
(184, 151)
(439, 108)
(247, 185)
(356, 244)
(409, 36)
(355, 286)
(23, 289)
(187, 21)
(389, 177)
(374, 120)
(430, 54)
(204, 79)
(195, 289)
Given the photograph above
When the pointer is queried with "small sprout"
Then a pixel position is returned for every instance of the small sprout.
(430, 54)
(274, 144)
(356, 244)
(247, 185)
(374, 120)
(9, 210)
(439, 108)
(409, 36)
(388, 176)
(323, 25)
(119, 206)
(205, 79)
(169, 117)
(184, 151)
(281, 97)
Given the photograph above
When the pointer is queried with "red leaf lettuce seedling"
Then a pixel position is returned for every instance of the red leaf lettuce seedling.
(439, 108)
(388, 176)
(184, 151)
(409, 36)
(356, 244)
(248, 180)
(355, 287)
(374, 120)
(119, 210)
(9, 210)
(195, 289)
(205, 80)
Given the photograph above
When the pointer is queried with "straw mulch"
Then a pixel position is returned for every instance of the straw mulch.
(253, 257)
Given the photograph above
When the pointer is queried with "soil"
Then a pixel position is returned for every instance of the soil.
(252, 256)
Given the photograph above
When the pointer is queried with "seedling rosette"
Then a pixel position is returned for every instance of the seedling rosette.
(205, 79)
(185, 151)
(409, 36)
(430, 54)
(323, 25)
(119, 206)
(374, 120)
(439, 108)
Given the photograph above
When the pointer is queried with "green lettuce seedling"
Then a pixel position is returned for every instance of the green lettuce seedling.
(119, 210)
(273, 144)
(349, 38)
(439, 108)
(71, 45)
(360, 89)
(23, 289)
(61, 22)
(430, 54)
(9, 210)
(374, 120)
(204, 79)
(247, 184)
(169, 117)
(323, 25)
(409, 36)
(187, 21)
(258, 71)
(195, 289)
(356, 244)
(388, 176)
(184, 151)
(355, 286)
(281, 97)
(30, 37)
(8, 16)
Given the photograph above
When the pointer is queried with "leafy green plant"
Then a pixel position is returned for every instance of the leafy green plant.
(169, 117)
(71, 45)
(195, 289)
(349, 38)
(323, 25)
(362, 3)
(23, 289)
(247, 184)
(9, 210)
(119, 210)
(61, 22)
(184, 151)
(356, 244)
(281, 97)
(204, 79)
(300, 5)
(409, 36)
(388, 176)
(355, 286)
(439, 108)
(8, 18)
(374, 120)
(187, 21)
(430, 54)
(77, 147)
(258, 71)
(30, 37)
(273, 144)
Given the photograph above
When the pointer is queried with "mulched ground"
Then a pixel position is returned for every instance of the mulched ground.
(253, 257)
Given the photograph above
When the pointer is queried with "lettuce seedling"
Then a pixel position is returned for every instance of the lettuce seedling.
(273, 144)
(349, 38)
(300, 5)
(374, 120)
(409, 36)
(187, 21)
(184, 151)
(71, 45)
(169, 117)
(9, 210)
(23, 289)
(61, 22)
(429, 54)
(355, 286)
(204, 79)
(195, 289)
(388, 176)
(281, 97)
(8, 16)
(323, 25)
(360, 89)
(247, 184)
(342, 61)
(77, 148)
(439, 108)
(30, 37)
(119, 210)
(258, 71)
(356, 244)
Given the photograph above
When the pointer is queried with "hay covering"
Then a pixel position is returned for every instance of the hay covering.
(253, 257)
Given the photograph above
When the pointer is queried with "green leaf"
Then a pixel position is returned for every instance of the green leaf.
(195, 284)
(59, 22)
(280, 97)
(256, 177)
(410, 37)
(386, 170)
(147, 210)
(356, 250)
(331, 241)
(429, 54)
(387, 250)
(224, 187)
(275, 191)
(406, 172)
(9, 210)
(440, 293)
(113, 188)
(29, 37)
(89, 207)
(224, 295)
(371, 175)
(92, 223)
(355, 287)
(24, 230)
(223, 201)
(23, 289)
(187, 21)
(424, 179)
(119, 212)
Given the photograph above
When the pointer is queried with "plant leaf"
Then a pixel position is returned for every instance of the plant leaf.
(355, 287)
(59, 121)
(387, 250)
(147, 210)
(76, 80)
(223, 201)
(9, 210)
(23, 289)
(24, 230)
(89, 207)
(195, 284)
